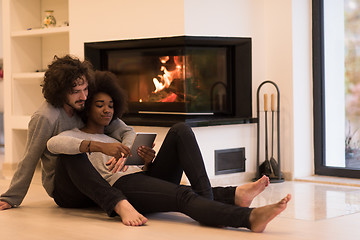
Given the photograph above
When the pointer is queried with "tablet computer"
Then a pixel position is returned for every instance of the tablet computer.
(141, 139)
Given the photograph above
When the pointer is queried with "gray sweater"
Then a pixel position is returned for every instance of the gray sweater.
(69, 142)
(46, 122)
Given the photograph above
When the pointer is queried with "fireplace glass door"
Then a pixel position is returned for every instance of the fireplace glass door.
(174, 80)
(194, 79)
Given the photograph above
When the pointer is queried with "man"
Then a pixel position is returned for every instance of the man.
(65, 88)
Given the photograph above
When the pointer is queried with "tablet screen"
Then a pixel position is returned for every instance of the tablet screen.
(141, 139)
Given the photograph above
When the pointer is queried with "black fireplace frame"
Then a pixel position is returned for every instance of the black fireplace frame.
(239, 56)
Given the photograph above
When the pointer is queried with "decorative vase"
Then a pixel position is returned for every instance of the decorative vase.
(49, 20)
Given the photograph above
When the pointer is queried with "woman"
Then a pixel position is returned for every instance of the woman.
(154, 190)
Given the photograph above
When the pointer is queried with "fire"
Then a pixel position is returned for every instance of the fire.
(170, 98)
(164, 59)
(164, 81)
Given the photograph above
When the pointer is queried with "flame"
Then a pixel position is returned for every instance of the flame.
(158, 85)
(171, 98)
(164, 59)
(165, 80)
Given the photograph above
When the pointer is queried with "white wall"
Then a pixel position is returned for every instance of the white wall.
(1, 56)
(123, 19)
(289, 59)
(281, 52)
(1, 81)
(278, 57)
(302, 89)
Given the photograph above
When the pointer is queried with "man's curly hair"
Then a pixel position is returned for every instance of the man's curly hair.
(61, 77)
(107, 82)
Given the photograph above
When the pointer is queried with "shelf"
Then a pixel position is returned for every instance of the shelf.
(28, 75)
(28, 49)
(40, 32)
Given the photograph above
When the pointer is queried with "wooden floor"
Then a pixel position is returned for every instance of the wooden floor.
(317, 211)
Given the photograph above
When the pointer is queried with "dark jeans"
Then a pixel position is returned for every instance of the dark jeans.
(149, 194)
(78, 184)
(180, 152)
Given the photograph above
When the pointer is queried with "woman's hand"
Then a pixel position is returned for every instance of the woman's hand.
(146, 153)
(116, 165)
(117, 150)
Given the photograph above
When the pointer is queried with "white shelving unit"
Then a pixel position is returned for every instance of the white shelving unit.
(40, 32)
(28, 49)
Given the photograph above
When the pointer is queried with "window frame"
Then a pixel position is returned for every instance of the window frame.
(319, 98)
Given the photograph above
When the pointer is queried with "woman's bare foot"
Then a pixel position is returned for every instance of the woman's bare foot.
(245, 194)
(128, 214)
(260, 217)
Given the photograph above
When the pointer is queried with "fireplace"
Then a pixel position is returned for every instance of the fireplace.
(199, 80)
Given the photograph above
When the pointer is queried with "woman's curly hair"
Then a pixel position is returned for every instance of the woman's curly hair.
(107, 82)
(61, 77)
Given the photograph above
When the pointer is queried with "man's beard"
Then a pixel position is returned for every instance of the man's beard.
(82, 106)
(78, 109)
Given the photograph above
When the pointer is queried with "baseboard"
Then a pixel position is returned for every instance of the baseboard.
(288, 176)
(351, 182)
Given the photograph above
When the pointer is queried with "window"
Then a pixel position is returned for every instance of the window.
(336, 58)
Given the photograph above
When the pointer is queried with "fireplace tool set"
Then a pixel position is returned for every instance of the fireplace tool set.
(269, 167)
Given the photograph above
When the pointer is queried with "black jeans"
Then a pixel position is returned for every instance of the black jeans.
(149, 194)
(78, 184)
(180, 152)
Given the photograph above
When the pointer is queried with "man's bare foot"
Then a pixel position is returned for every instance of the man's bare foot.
(260, 217)
(245, 194)
(128, 214)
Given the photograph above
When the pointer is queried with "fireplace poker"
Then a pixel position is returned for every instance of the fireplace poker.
(273, 162)
(265, 166)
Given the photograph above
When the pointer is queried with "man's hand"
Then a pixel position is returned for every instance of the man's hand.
(4, 205)
(146, 153)
(116, 165)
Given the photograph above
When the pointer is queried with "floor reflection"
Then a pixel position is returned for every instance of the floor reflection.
(312, 201)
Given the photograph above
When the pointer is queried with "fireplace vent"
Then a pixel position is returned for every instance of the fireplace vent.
(229, 161)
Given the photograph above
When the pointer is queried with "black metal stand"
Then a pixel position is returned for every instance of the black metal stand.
(275, 177)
